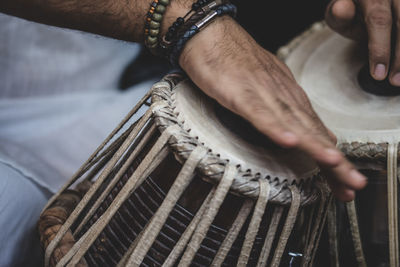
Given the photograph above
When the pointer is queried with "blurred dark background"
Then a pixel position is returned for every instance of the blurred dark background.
(274, 23)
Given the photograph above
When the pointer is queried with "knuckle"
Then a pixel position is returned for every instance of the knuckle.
(333, 138)
(233, 103)
(240, 103)
(378, 51)
(379, 18)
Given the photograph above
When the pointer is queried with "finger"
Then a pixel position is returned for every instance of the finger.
(332, 137)
(345, 175)
(378, 20)
(340, 191)
(320, 150)
(286, 121)
(341, 16)
(315, 138)
(270, 125)
(317, 143)
(395, 67)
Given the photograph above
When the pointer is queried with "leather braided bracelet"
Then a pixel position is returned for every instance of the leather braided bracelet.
(177, 47)
(199, 10)
(198, 7)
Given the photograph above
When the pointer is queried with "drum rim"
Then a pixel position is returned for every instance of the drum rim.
(211, 168)
(370, 152)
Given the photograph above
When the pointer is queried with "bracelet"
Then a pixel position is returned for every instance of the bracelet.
(172, 30)
(153, 22)
(194, 29)
(200, 9)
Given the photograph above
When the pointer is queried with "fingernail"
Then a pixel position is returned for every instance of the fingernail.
(332, 152)
(289, 136)
(396, 79)
(380, 71)
(356, 175)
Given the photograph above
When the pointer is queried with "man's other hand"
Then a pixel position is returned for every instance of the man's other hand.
(377, 22)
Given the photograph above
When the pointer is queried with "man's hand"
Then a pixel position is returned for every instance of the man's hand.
(377, 22)
(228, 65)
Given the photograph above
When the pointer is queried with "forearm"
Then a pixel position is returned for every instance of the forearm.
(120, 19)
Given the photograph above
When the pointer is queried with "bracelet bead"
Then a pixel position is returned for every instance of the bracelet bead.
(152, 40)
(154, 25)
(160, 9)
(164, 2)
(154, 32)
(157, 17)
(180, 20)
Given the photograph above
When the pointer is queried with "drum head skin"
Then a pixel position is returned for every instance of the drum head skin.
(327, 66)
(234, 139)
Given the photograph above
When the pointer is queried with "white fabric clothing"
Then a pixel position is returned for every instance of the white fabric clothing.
(58, 101)
(58, 96)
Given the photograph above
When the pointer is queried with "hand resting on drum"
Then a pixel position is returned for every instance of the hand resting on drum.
(228, 65)
(376, 23)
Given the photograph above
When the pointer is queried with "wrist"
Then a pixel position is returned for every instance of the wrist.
(208, 45)
(174, 10)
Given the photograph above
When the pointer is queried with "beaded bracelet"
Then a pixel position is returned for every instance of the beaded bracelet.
(153, 22)
(194, 29)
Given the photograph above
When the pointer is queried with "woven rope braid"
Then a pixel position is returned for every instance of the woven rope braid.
(319, 226)
(269, 239)
(355, 234)
(287, 228)
(252, 231)
(180, 246)
(208, 216)
(332, 232)
(233, 233)
(393, 220)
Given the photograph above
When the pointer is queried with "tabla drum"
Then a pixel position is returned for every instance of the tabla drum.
(188, 184)
(365, 117)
